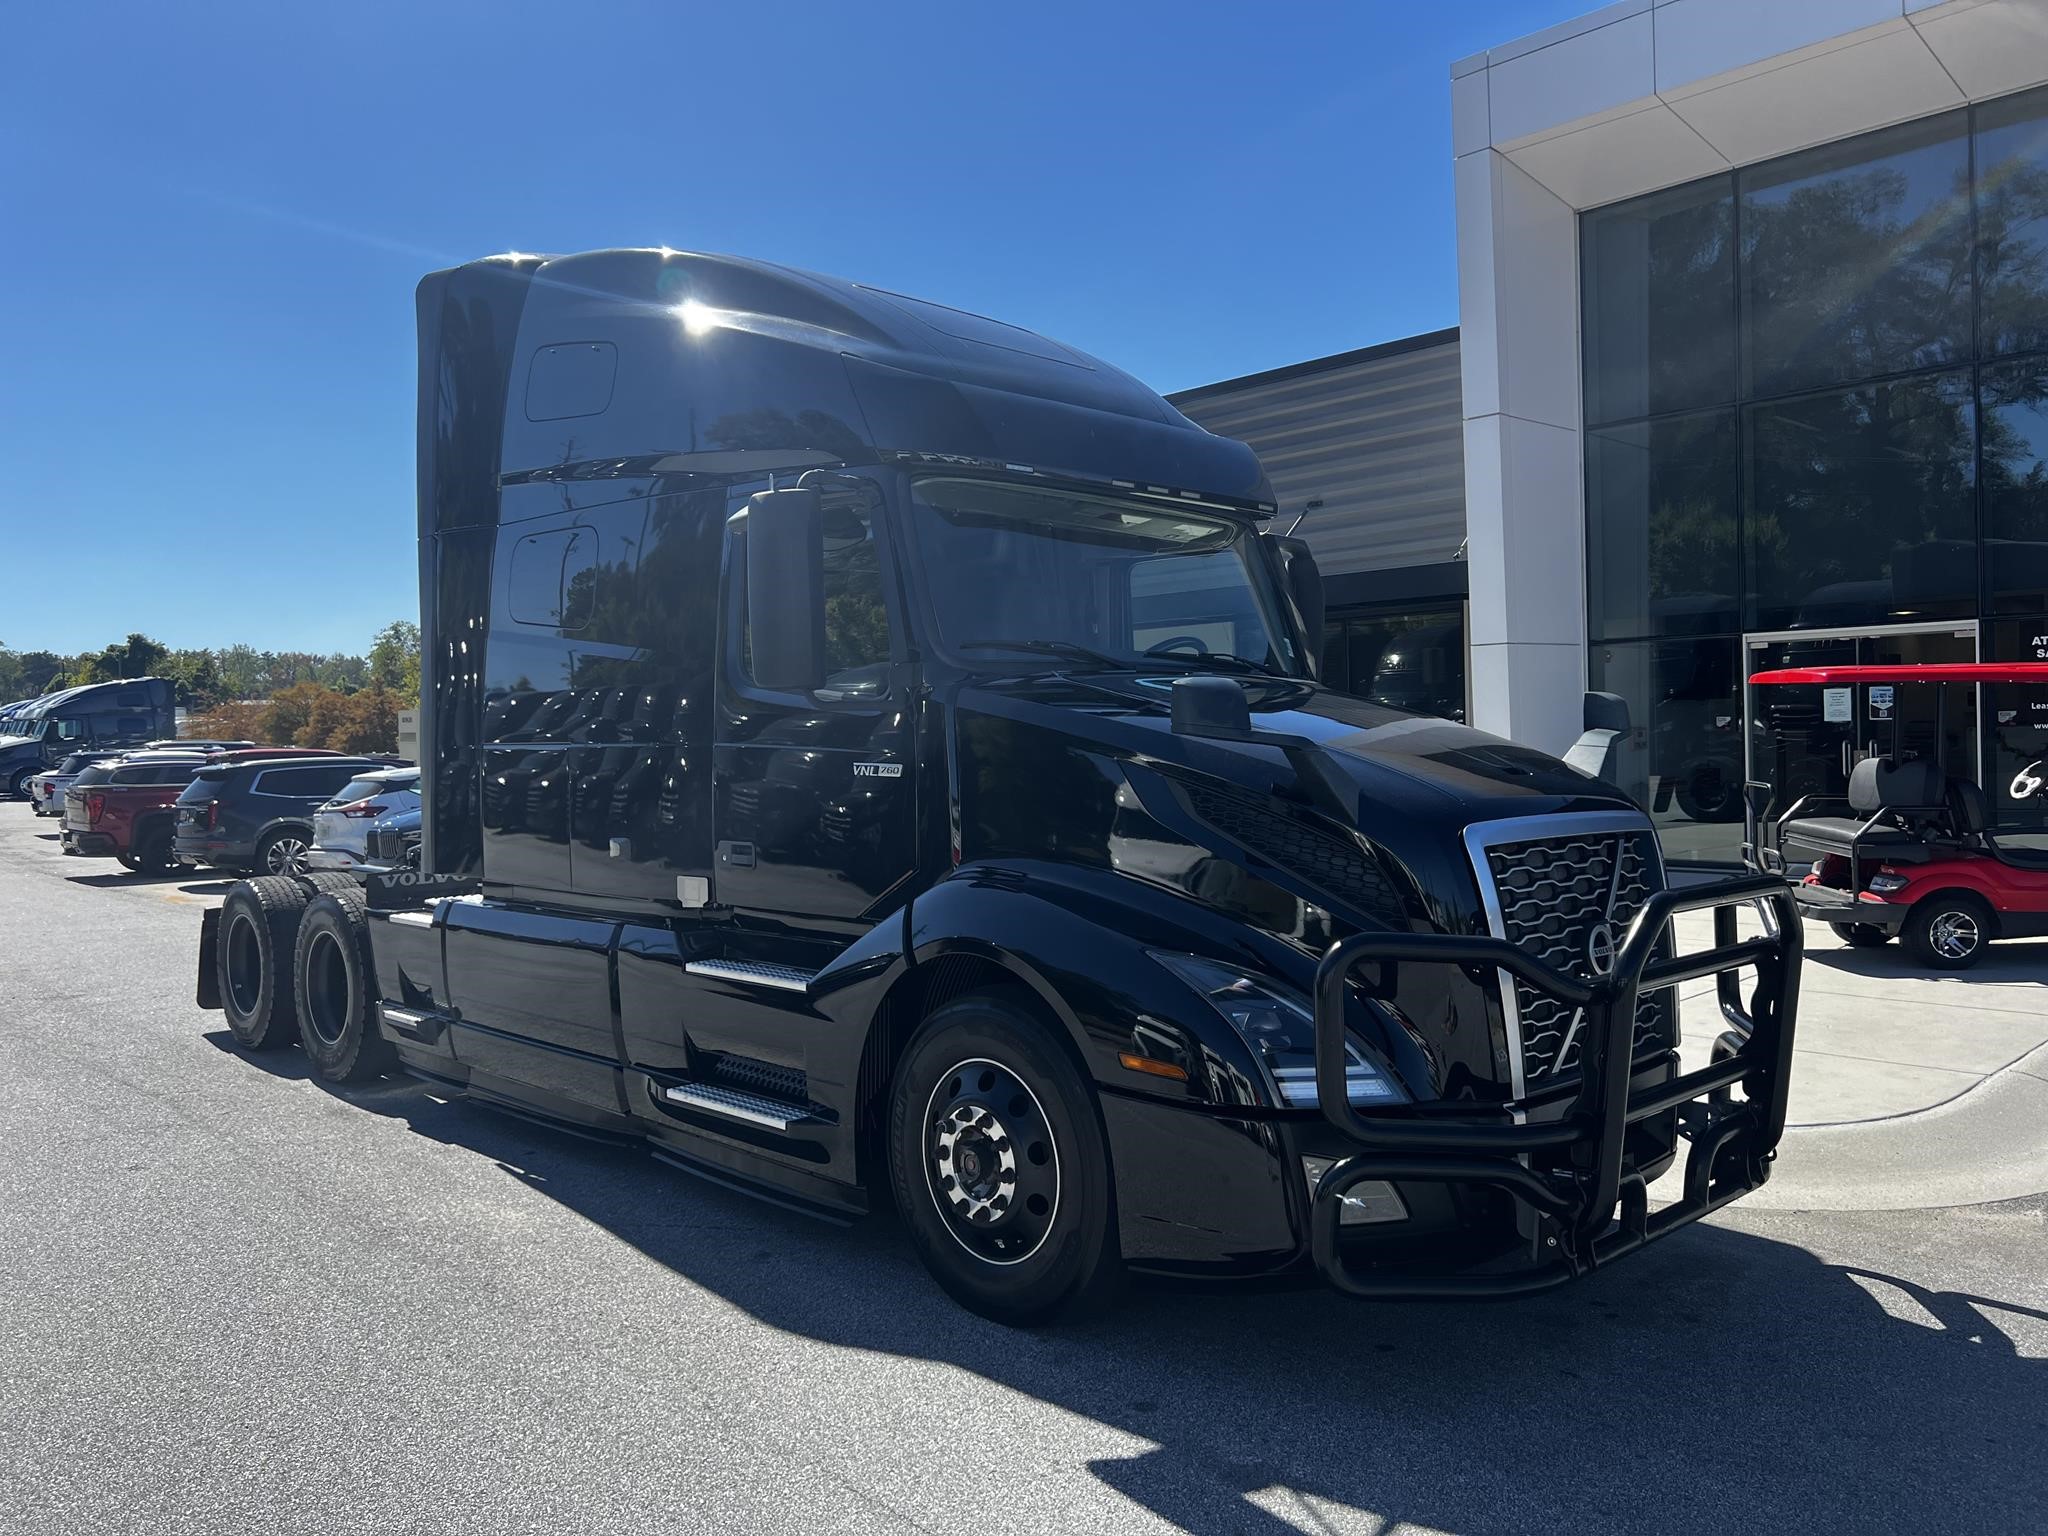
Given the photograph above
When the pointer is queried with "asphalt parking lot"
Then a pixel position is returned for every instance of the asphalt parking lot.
(233, 1300)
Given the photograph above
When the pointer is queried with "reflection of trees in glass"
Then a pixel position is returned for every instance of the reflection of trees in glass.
(1660, 316)
(1861, 270)
(2012, 227)
(1858, 485)
(856, 623)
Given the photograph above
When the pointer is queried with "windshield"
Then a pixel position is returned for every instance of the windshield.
(1015, 570)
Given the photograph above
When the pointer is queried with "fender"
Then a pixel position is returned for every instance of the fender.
(1078, 939)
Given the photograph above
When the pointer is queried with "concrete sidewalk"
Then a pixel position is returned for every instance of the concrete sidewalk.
(1910, 1088)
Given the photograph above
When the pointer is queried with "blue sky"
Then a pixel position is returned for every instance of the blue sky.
(216, 214)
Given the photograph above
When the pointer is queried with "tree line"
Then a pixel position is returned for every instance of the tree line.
(278, 698)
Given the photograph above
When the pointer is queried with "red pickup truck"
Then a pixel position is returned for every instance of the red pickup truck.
(122, 809)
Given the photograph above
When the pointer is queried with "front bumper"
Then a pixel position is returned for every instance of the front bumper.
(1586, 1199)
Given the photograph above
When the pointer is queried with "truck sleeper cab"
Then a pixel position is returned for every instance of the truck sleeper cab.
(45, 731)
(873, 753)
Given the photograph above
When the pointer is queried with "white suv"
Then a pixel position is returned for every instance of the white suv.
(341, 827)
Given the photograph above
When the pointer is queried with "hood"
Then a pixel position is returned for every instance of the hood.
(1388, 760)
(1407, 785)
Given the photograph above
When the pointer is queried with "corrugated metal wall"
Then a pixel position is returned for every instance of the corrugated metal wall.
(1378, 434)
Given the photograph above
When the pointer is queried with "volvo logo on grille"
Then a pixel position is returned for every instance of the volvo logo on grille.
(1600, 948)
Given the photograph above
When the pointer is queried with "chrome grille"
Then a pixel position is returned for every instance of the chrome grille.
(1553, 892)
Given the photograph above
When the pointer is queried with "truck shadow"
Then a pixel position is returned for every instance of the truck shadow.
(1720, 1376)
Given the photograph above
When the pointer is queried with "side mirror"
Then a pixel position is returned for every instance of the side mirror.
(786, 589)
(1304, 580)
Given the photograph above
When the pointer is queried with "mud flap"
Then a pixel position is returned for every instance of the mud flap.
(209, 966)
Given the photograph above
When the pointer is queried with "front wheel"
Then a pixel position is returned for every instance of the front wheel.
(1861, 935)
(1949, 932)
(999, 1164)
(18, 785)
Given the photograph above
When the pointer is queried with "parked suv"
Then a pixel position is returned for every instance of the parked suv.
(257, 814)
(46, 789)
(341, 827)
(122, 809)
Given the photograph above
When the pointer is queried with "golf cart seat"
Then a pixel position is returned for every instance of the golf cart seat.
(1893, 804)
(1972, 812)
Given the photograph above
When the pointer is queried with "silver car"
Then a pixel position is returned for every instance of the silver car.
(341, 827)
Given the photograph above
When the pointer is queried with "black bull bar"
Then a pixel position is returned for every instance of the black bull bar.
(1594, 1207)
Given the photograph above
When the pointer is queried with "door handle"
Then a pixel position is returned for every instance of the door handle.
(736, 855)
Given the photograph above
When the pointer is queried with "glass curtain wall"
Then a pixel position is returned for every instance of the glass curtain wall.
(1816, 396)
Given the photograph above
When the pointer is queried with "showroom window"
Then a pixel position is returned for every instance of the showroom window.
(1862, 505)
(1682, 759)
(2015, 468)
(1855, 258)
(1659, 283)
(1663, 556)
(2012, 224)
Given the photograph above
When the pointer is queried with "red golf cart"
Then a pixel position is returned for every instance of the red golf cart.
(1909, 849)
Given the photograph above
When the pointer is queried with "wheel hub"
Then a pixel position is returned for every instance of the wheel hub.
(991, 1162)
(977, 1163)
(1954, 934)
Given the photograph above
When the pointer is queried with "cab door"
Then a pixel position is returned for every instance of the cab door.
(813, 811)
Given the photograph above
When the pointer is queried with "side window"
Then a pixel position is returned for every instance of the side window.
(856, 613)
(67, 730)
(302, 783)
(551, 582)
(856, 617)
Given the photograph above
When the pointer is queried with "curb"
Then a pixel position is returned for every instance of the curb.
(1988, 1143)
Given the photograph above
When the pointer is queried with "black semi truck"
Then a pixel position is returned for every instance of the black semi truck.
(874, 756)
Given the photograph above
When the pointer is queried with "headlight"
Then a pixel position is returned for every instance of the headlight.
(1279, 1025)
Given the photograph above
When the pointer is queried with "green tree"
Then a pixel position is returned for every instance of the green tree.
(394, 661)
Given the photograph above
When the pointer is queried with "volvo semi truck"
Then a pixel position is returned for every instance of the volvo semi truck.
(873, 757)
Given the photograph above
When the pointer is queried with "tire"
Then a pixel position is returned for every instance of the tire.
(1861, 935)
(18, 785)
(259, 925)
(1033, 1236)
(1950, 930)
(336, 986)
(321, 881)
(282, 852)
(128, 861)
(1709, 793)
(152, 855)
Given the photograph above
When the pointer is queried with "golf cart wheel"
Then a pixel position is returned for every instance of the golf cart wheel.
(1861, 935)
(1949, 930)
(999, 1163)
(259, 923)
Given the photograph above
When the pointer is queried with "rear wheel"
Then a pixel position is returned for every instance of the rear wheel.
(152, 855)
(282, 852)
(336, 985)
(321, 881)
(259, 924)
(999, 1164)
(1949, 930)
(18, 785)
(1861, 935)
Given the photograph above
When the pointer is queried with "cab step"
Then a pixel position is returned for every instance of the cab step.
(754, 973)
(739, 1104)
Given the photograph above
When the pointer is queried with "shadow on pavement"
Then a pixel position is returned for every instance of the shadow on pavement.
(120, 877)
(2004, 962)
(1717, 1379)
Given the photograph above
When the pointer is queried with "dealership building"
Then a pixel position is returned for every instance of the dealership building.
(1753, 364)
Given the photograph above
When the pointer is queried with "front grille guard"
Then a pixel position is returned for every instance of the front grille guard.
(1598, 1209)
